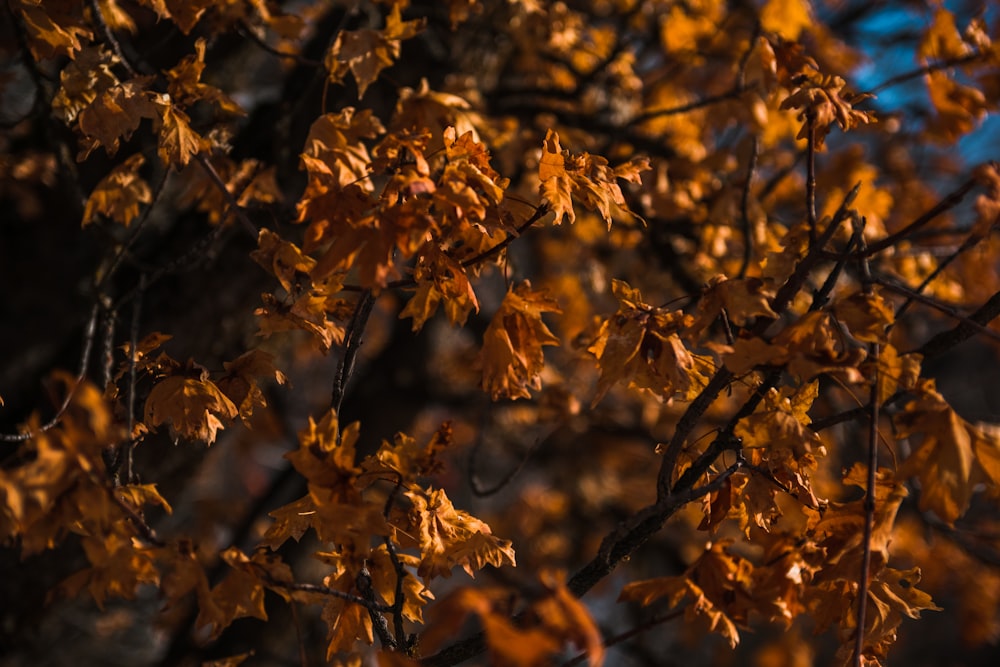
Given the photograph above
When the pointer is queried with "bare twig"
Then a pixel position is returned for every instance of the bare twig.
(730, 94)
(352, 343)
(913, 295)
(811, 174)
(927, 69)
(89, 334)
(237, 210)
(247, 31)
(869, 503)
(102, 26)
(658, 619)
(949, 201)
(489, 253)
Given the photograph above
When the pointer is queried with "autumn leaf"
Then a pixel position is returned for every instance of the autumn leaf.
(114, 115)
(951, 450)
(563, 176)
(365, 53)
(119, 194)
(194, 407)
(826, 99)
(240, 381)
(640, 347)
(53, 32)
(451, 537)
(178, 143)
(512, 354)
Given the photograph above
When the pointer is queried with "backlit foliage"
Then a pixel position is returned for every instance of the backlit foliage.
(508, 330)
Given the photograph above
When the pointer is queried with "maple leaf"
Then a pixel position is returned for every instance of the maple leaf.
(240, 381)
(119, 194)
(193, 406)
(114, 115)
(740, 299)
(365, 53)
(178, 143)
(512, 354)
(639, 346)
(52, 30)
(239, 595)
(826, 98)
(867, 315)
(950, 451)
(958, 106)
(325, 456)
(440, 279)
(82, 80)
(450, 537)
(563, 176)
(563, 615)
(184, 85)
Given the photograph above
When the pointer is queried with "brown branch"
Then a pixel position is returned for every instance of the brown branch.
(869, 503)
(352, 343)
(937, 305)
(230, 199)
(966, 329)
(949, 201)
(102, 26)
(730, 94)
(811, 174)
(247, 31)
(967, 244)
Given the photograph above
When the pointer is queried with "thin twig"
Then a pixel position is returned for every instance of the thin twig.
(247, 31)
(352, 343)
(493, 251)
(658, 619)
(949, 201)
(869, 503)
(967, 244)
(102, 26)
(732, 93)
(927, 69)
(937, 305)
(811, 174)
(134, 333)
(88, 344)
(230, 199)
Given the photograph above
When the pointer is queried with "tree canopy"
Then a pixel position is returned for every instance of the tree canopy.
(408, 333)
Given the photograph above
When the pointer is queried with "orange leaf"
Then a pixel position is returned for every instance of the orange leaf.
(194, 407)
(512, 354)
(178, 143)
(119, 194)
